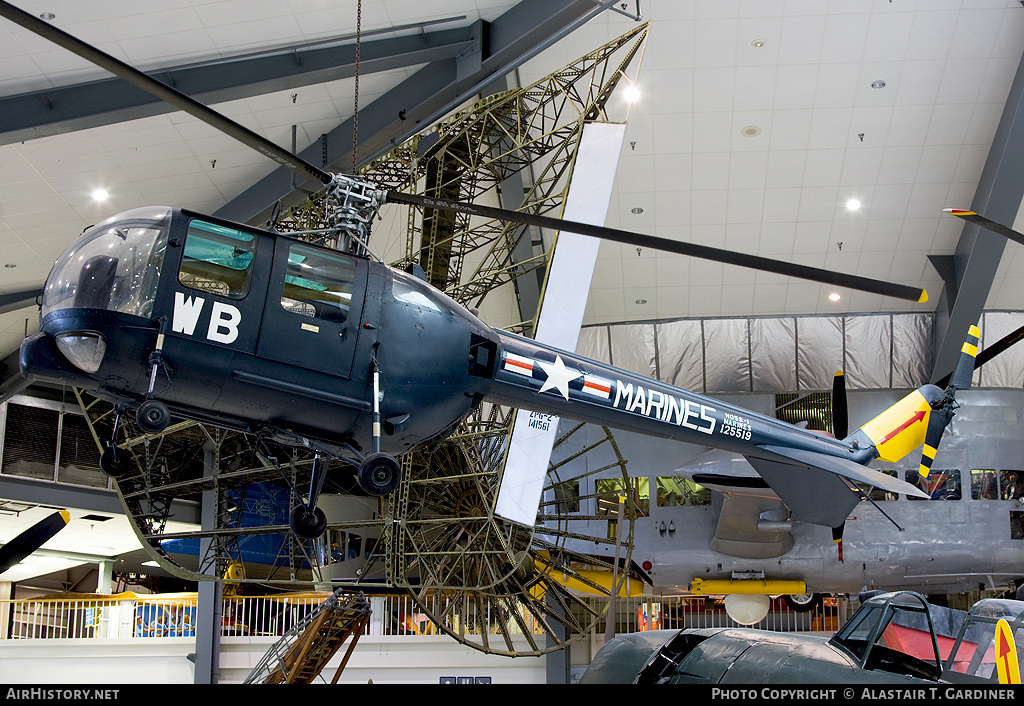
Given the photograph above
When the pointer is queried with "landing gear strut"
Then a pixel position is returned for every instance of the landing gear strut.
(152, 416)
(111, 462)
(379, 473)
(307, 520)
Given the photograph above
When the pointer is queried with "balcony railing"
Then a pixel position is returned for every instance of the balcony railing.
(130, 615)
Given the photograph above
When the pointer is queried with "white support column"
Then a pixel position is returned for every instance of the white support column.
(5, 608)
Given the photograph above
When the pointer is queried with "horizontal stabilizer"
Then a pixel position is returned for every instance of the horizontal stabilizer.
(848, 469)
(818, 488)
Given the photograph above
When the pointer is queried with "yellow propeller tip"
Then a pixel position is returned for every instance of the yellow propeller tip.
(923, 298)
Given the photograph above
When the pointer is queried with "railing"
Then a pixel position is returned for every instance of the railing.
(132, 615)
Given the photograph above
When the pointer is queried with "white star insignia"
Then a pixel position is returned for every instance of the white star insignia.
(559, 376)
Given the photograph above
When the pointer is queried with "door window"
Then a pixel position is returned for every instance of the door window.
(217, 259)
(318, 284)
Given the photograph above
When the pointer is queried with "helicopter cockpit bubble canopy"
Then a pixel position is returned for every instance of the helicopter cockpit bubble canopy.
(114, 265)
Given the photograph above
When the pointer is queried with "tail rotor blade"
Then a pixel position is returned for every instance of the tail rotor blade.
(943, 411)
(840, 410)
(964, 370)
(938, 420)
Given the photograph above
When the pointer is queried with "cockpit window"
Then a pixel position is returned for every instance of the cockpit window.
(217, 259)
(114, 265)
(318, 284)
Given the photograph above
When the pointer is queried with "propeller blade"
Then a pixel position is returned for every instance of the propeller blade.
(31, 539)
(840, 410)
(943, 411)
(729, 257)
(987, 224)
(161, 90)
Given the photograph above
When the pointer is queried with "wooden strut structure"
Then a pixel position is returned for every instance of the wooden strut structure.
(303, 652)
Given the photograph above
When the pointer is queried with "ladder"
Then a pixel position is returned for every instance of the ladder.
(303, 652)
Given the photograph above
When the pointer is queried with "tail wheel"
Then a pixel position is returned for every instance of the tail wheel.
(497, 586)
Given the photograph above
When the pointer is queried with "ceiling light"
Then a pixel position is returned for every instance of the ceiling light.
(878, 84)
(46, 15)
(833, 297)
(637, 210)
(100, 195)
(852, 205)
(757, 43)
(750, 131)
(632, 94)
(641, 301)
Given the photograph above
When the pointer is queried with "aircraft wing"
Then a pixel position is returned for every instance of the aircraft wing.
(818, 488)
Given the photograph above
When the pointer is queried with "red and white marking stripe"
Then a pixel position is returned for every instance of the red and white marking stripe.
(518, 364)
(598, 387)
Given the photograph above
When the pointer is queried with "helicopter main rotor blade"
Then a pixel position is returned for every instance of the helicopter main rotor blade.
(729, 257)
(161, 90)
(304, 169)
(987, 224)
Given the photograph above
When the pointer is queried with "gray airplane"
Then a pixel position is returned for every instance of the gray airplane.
(715, 527)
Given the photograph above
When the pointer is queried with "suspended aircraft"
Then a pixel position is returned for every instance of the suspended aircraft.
(327, 349)
(893, 638)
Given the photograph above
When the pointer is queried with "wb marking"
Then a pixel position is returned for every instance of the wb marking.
(224, 318)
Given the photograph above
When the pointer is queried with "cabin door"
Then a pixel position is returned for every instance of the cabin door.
(313, 308)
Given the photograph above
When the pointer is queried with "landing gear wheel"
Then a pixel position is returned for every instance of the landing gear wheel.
(803, 602)
(112, 463)
(379, 474)
(152, 416)
(306, 523)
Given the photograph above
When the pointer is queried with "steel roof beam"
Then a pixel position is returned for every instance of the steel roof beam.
(55, 111)
(973, 266)
(498, 48)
